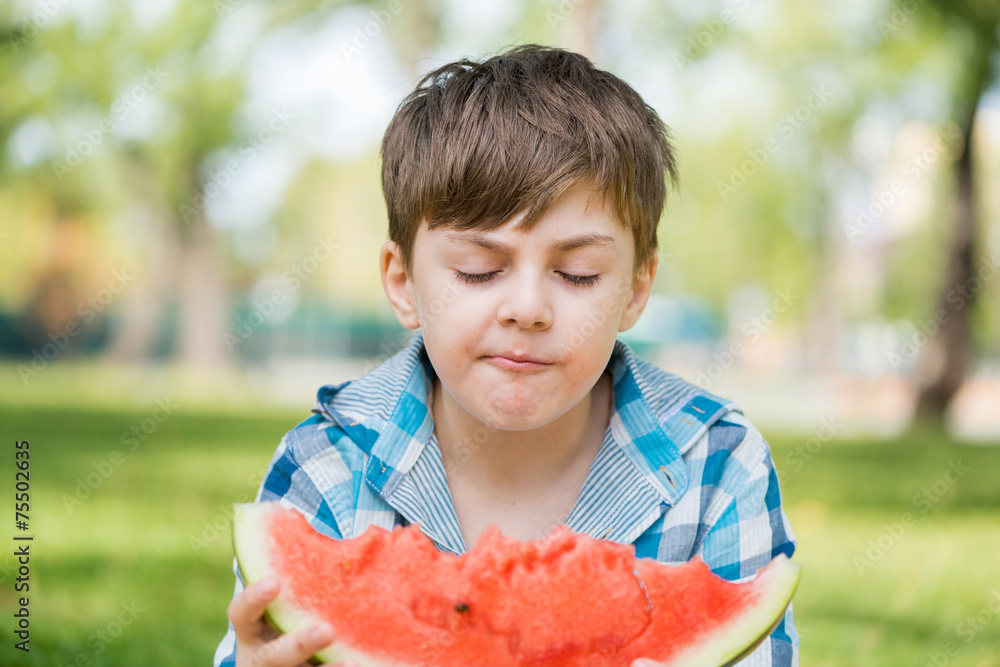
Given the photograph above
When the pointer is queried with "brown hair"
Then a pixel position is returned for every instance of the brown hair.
(476, 143)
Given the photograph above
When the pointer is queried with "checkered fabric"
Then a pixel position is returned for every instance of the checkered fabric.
(681, 472)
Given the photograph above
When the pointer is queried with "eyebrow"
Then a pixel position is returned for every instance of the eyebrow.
(602, 241)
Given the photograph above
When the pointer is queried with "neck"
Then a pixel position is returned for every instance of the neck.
(504, 463)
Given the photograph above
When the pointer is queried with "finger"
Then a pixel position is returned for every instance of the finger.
(296, 647)
(246, 611)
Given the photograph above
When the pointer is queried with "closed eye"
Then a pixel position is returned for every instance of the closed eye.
(475, 278)
(581, 280)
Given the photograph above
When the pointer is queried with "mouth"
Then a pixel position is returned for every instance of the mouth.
(518, 362)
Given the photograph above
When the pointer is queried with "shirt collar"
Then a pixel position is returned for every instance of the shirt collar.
(639, 472)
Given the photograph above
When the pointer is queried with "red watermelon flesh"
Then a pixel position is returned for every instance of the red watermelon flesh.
(566, 600)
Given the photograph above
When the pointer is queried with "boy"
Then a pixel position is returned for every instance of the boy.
(523, 196)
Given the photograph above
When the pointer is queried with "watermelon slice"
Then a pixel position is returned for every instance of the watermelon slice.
(567, 600)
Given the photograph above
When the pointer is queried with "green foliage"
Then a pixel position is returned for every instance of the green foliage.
(912, 62)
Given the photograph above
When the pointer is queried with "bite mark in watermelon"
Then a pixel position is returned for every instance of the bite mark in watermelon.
(567, 600)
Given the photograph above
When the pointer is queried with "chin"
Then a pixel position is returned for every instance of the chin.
(517, 425)
(514, 418)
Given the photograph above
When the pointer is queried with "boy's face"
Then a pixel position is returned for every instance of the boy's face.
(558, 295)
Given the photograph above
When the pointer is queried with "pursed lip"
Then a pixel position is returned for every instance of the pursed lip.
(513, 356)
(512, 361)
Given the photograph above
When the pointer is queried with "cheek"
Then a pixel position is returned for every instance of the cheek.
(444, 302)
(583, 364)
(451, 349)
(579, 374)
(589, 330)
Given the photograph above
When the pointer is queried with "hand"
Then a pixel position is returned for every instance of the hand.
(258, 645)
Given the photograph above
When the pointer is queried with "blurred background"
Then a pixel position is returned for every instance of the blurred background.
(190, 220)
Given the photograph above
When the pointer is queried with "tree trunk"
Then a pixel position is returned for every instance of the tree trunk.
(580, 30)
(825, 322)
(144, 304)
(202, 295)
(945, 358)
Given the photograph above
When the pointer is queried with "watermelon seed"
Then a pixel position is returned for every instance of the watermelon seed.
(462, 608)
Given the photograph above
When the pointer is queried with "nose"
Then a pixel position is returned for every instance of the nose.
(525, 303)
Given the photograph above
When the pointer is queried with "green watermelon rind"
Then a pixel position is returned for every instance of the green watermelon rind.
(755, 623)
(249, 533)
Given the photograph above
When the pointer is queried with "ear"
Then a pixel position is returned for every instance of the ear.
(397, 285)
(641, 289)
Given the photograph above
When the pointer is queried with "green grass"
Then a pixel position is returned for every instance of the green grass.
(144, 534)
(904, 602)
(142, 548)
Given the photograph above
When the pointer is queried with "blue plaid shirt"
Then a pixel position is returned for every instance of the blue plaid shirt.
(681, 472)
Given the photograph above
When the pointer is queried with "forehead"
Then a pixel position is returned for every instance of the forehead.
(561, 244)
(574, 221)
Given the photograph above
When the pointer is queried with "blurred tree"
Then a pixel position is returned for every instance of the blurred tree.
(136, 102)
(757, 63)
(945, 361)
(61, 272)
(802, 45)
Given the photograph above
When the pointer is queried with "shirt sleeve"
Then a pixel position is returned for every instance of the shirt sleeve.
(225, 654)
(748, 533)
